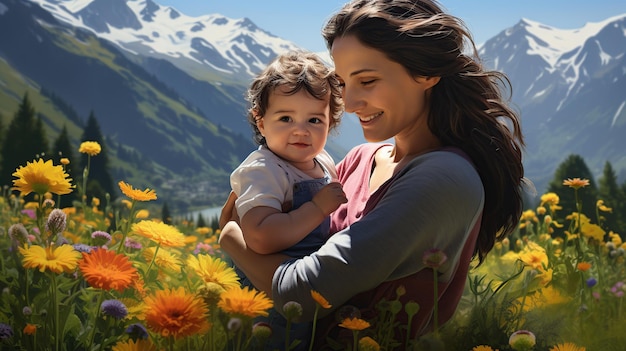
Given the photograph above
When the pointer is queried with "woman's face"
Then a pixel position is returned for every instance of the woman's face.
(387, 99)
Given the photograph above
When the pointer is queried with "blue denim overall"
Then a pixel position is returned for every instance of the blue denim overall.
(302, 192)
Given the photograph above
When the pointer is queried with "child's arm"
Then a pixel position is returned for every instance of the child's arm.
(267, 230)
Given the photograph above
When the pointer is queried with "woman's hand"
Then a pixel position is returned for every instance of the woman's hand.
(229, 211)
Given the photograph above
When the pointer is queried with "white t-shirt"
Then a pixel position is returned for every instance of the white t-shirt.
(264, 179)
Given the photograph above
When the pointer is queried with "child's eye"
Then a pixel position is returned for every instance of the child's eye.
(284, 119)
(315, 120)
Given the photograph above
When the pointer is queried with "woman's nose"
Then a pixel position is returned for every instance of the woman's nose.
(351, 100)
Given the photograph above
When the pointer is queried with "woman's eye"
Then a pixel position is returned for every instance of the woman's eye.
(368, 82)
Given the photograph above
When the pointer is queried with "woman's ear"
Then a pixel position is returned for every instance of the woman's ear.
(427, 82)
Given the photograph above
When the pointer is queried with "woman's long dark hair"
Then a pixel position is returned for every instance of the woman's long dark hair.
(467, 109)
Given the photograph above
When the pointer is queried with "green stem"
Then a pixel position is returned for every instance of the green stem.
(436, 302)
(152, 262)
(95, 319)
(55, 307)
(121, 247)
(355, 343)
(287, 331)
(317, 308)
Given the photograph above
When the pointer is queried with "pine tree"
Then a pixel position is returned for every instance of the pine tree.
(574, 167)
(99, 181)
(62, 148)
(610, 192)
(201, 222)
(166, 216)
(24, 141)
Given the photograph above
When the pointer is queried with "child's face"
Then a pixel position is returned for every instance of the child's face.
(295, 126)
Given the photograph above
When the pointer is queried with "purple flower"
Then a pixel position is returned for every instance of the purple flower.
(592, 282)
(114, 308)
(132, 244)
(100, 238)
(18, 233)
(30, 213)
(137, 331)
(6, 332)
(82, 248)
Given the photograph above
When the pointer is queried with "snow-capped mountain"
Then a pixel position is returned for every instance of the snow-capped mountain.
(569, 86)
(232, 48)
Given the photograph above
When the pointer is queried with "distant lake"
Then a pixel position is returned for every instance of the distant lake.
(208, 213)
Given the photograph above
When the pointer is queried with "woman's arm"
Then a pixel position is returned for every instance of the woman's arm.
(258, 268)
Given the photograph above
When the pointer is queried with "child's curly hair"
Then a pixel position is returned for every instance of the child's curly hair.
(294, 71)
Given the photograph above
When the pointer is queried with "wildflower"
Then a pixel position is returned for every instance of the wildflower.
(261, 331)
(618, 289)
(91, 148)
(234, 324)
(82, 248)
(41, 177)
(522, 340)
(293, 310)
(136, 194)
(137, 331)
(161, 233)
(591, 282)
(132, 345)
(176, 313)
(568, 346)
(483, 348)
(114, 308)
(600, 205)
(19, 234)
(132, 244)
(30, 329)
(583, 266)
(593, 231)
(57, 221)
(368, 344)
(534, 256)
(203, 248)
(64, 161)
(142, 214)
(434, 258)
(100, 238)
(6, 332)
(320, 299)
(354, 324)
(55, 259)
(213, 270)
(27, 311)
(576, 183)
(244, 301)
(550, 199)
(164, 259)
(104, 269)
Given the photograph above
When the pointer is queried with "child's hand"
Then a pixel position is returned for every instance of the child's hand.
(329, 198)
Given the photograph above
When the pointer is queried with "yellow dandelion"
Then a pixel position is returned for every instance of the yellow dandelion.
(164, 259)
(368, 344)
(600, 205)
(354, 324)
(41, 177)
(593, 231)
(615, 238)
(161, 233)
(536, 258)
(576, 183)
(550, 199)
(568, 346)
(320, 299)
(142, 214)
(55, 259)
(213, 270)
(246, 302)
(528, 215)
(132, 345)
(483, 348)
(91, 148)
(65, 161)
(204, 230)
(136, 194)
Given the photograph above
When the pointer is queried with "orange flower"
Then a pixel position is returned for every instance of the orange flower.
(245, 302)
(354, 324)
(105, 269)
(30, 329)
(576, 183)
(583, 266)
(136, 194)
(320, 299)
(176, 313)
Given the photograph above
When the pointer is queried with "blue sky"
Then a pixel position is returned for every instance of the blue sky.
(300, 21)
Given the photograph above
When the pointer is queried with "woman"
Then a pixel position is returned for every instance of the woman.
(451, 181)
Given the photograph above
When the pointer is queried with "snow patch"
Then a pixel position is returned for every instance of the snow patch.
(617, 113)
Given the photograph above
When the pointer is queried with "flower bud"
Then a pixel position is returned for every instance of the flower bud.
(57, 221)
(522, 340)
